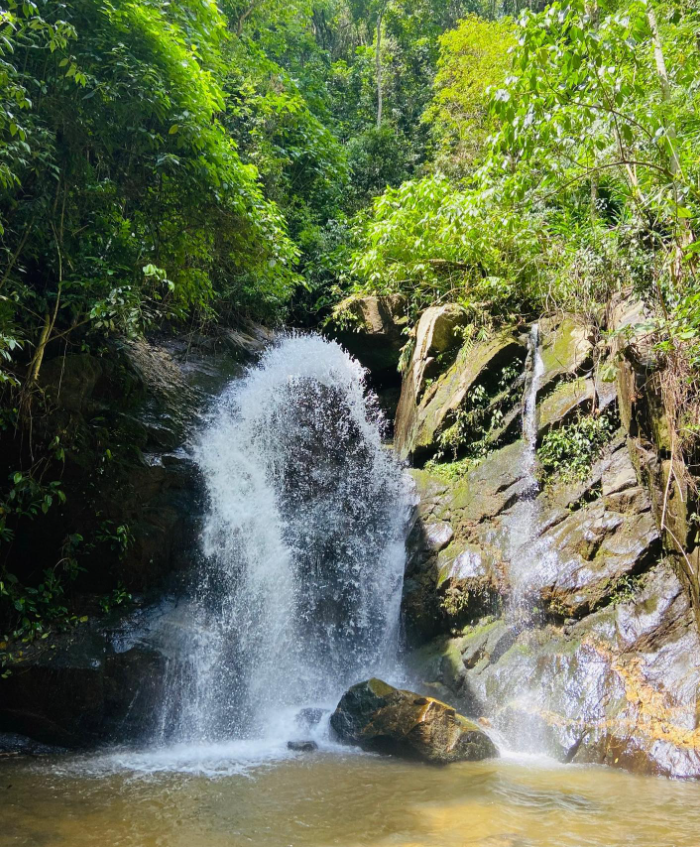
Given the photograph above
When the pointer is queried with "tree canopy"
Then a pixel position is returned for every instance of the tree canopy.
(204, 163)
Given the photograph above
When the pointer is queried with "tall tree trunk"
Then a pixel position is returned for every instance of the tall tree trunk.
(38, 357)
(673, 162)
(594, 13)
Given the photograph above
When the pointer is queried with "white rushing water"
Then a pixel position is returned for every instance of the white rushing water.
(304, 554)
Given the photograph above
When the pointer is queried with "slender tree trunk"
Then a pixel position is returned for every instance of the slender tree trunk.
(594, 12)
(244, 17)
(662, 71)
(380, 81)
(673, 162)
(38, 356)
(50, 318)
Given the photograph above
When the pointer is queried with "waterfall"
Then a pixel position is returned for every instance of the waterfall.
(521, 524)
(303, 549)
(523, 728)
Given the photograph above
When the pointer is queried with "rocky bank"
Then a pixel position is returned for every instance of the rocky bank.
(554, 604)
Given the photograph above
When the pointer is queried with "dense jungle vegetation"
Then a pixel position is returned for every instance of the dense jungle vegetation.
(186, 164)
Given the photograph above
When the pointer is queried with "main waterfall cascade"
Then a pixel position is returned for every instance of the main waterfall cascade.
(303, 551)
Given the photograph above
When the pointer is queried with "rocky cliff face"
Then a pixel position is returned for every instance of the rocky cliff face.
(547, 602)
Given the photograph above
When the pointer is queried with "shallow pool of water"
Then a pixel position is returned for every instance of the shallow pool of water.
(208, 798)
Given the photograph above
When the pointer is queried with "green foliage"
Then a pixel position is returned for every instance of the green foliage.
(571, 450)
(587, 183)
(625, 590)
(378, 158)
(128, 203)
(37, 608)
(592, 167)
(31, 609)
(451, 471)
(119, 538)
(454, 601)
(119, 596)
(168, 163)
(432, 242)
(26, 497)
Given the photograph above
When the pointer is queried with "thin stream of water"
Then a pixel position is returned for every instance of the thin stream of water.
(521, 528)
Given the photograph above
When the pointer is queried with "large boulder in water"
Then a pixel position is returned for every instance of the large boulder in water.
(380, 718)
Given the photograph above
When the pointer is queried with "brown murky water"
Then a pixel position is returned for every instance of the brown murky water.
(348, 800)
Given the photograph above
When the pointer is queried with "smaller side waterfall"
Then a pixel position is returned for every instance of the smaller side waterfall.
(303, 549)
(521, 523)
(535, 366)
(521, 531)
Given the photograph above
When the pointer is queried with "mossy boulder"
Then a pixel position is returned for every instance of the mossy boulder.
(440, 375)
(565, 349)
(380, 718)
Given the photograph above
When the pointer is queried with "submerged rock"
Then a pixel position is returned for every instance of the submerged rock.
(302, 746)
(380, 718)
(310, 716)
(12, 745)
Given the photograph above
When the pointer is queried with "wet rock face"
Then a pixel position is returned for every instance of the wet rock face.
(554, 609)
(93, 684)
(123, 418)
(98, 681)
(566, 350)
(565, 403)
(600, 662)
(380, 718)
(618, 687)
